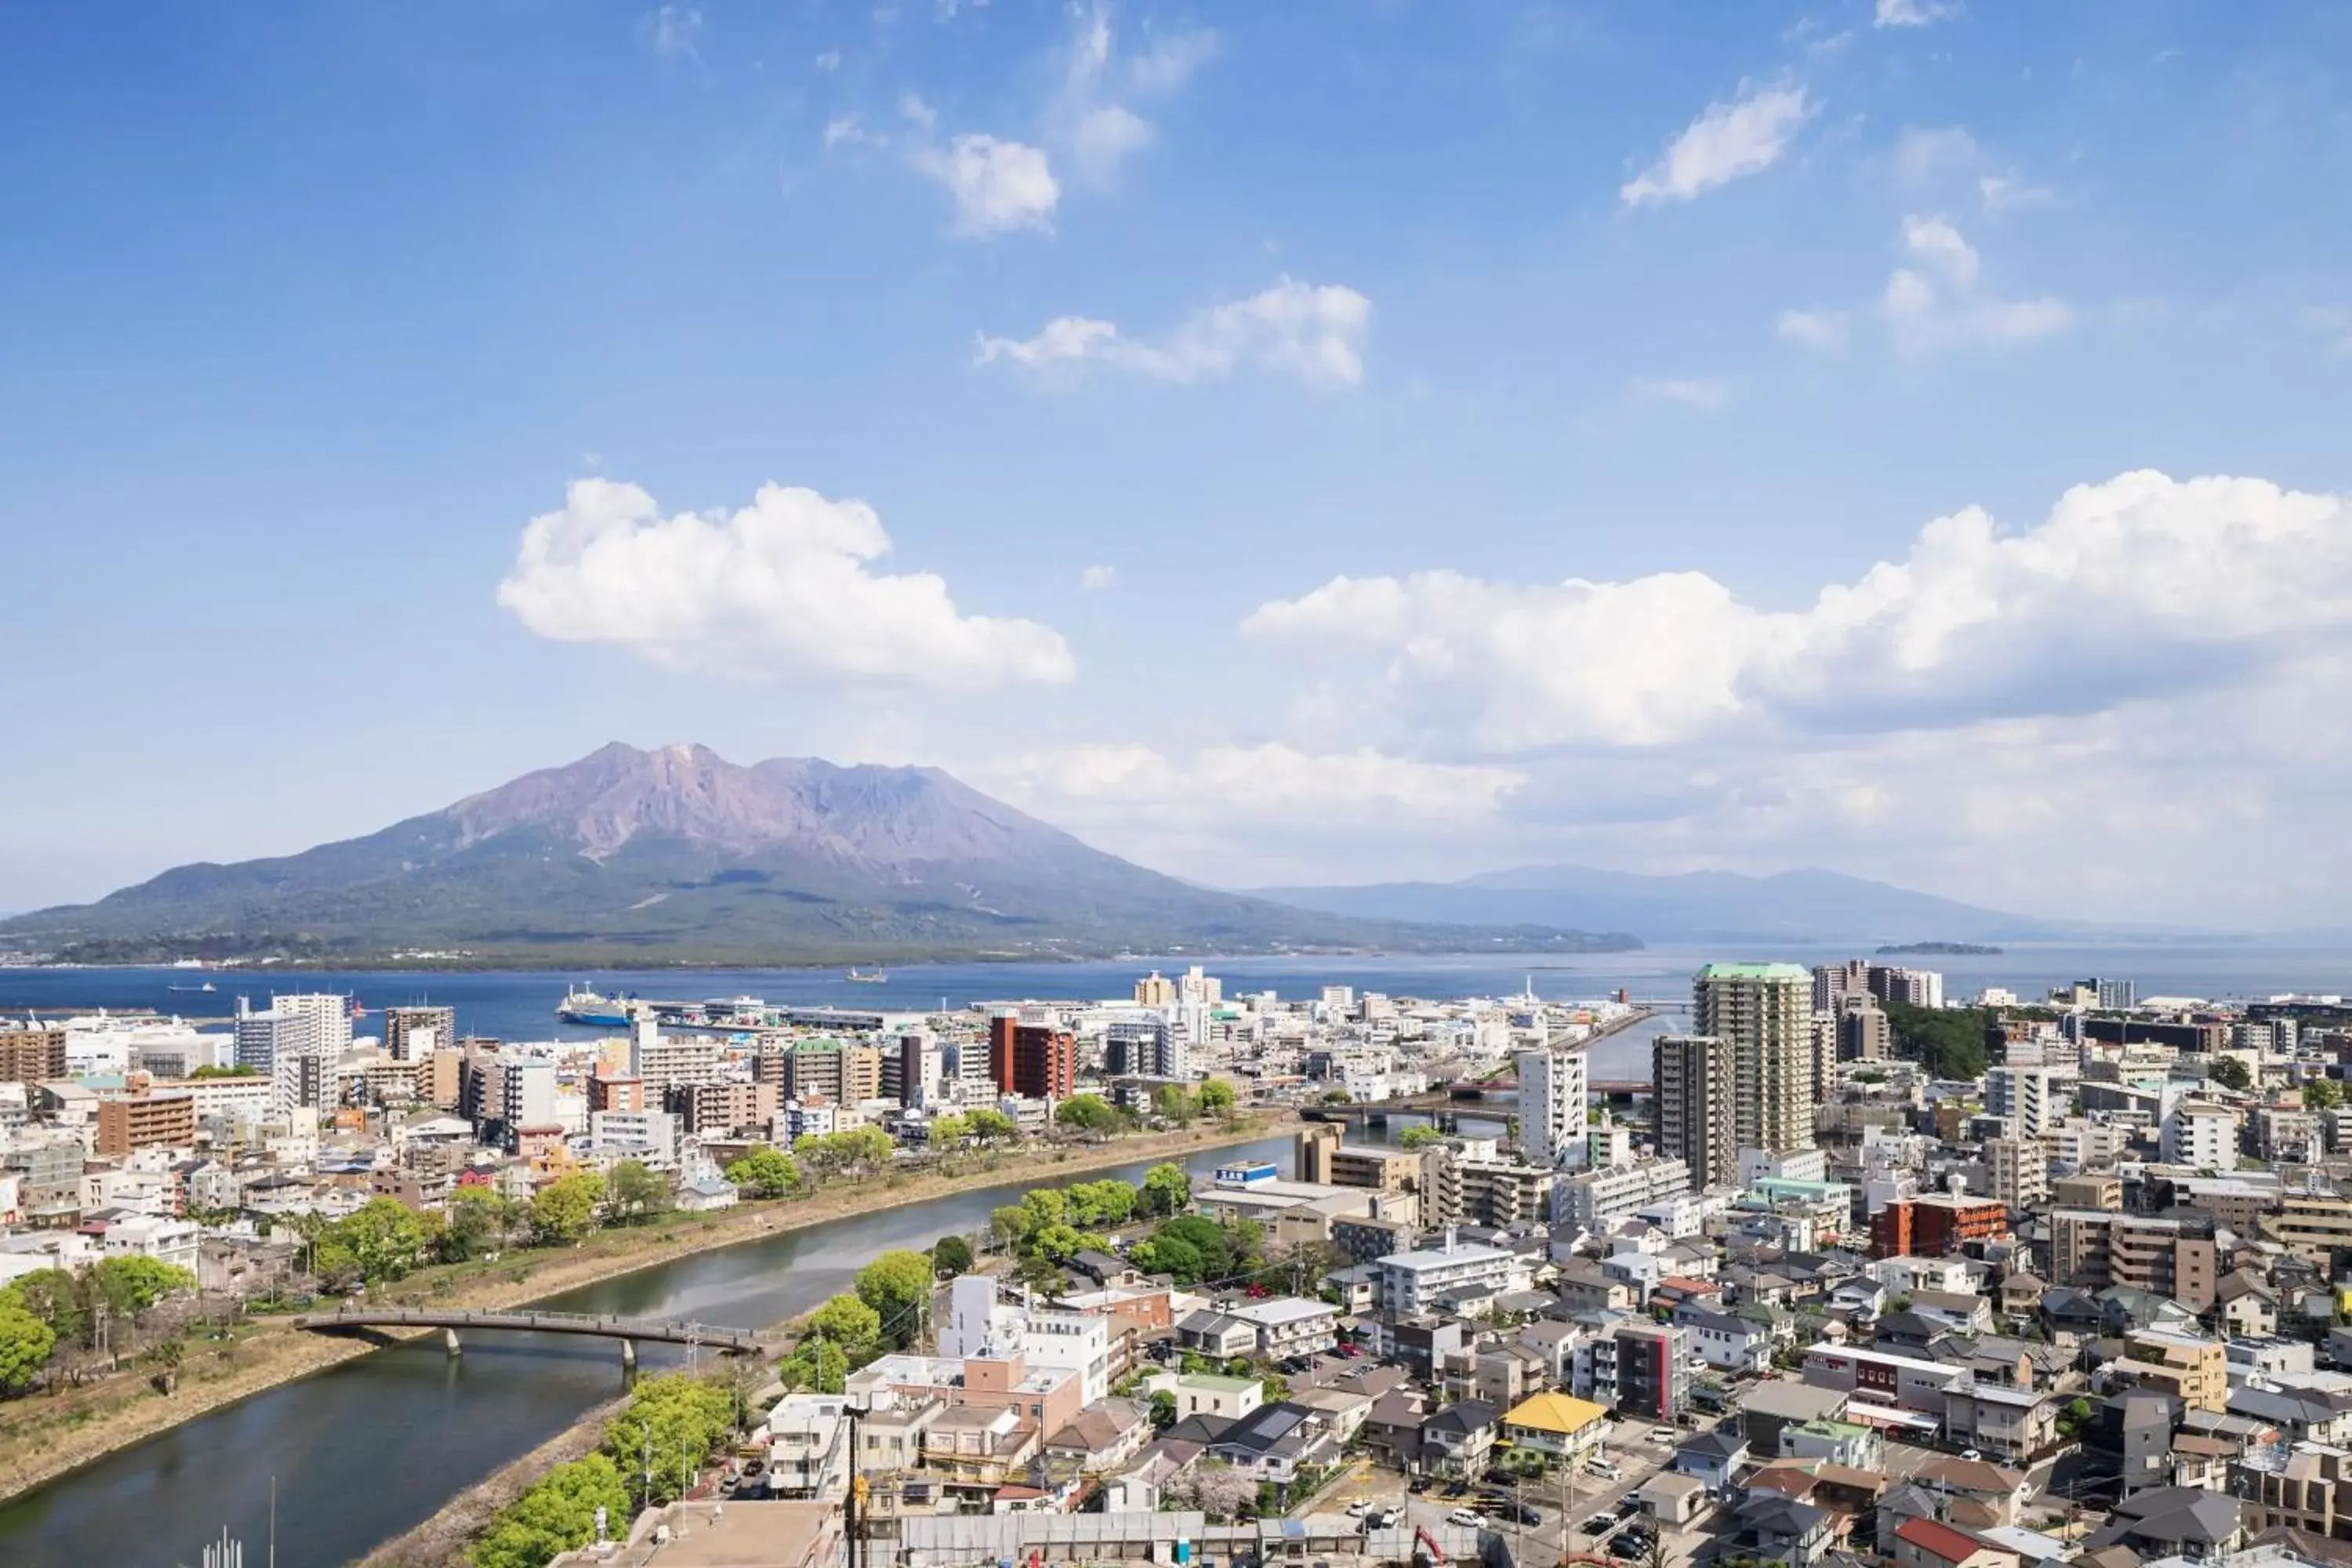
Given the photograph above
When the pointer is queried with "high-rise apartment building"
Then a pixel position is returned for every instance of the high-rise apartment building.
(1155, 990)
(1035, 1061)
(1695, 1081)
(1765, 1011)
(1910, 987)
(32, 1056)
(145, 1120)
(409, 1033)
(2036, 1099)
(2020, 1171)
(1552, 1085)
(1862, 1032)
(1834, 982)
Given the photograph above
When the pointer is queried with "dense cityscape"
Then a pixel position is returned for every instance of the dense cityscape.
(1859, 1273)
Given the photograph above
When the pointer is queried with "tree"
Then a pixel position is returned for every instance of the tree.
(1420, 1136)
(635, 1193)
(2322, 1094)
(2077, 1419)
(556, 1516)
(897, 1285)
(1163, 1410)
(951, 1255)
(1097, 1204)
(846, 1321)
(480, 1220)
(1210, 1240)
(2230, 1073)
(26, 1343)
(989, 1125)
(1217, 1098)
(1087, 1114)
(1173, 1102)
(865, 1148)
(818, 1365)
(168, 1357)
(1046, 1206)
(58, 1299)
(383, 1238)
(565, 1208)
(765, 1171)
(1060, 1243)
(238, 1071)
(1169, 1255)
(671, 1425)
(1951, 1041)
(949, 1130)
(1166, 1189)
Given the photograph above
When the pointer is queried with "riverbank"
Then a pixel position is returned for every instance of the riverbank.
(439, 1539)
(44, 1437)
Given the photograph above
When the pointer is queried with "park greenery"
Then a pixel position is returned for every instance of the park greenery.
(1951, 1041)
(651, 1451)
(54, 1315)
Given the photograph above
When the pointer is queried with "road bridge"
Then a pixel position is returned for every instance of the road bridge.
(629, 1332)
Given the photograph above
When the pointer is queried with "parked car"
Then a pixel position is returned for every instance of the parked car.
(1600, 1524)
(1607, 1469)
(1468, 1517)
(1519, 1513)
(1358, 1509)
(1664, 1434)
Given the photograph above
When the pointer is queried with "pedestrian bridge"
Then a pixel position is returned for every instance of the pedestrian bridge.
(630, 1332)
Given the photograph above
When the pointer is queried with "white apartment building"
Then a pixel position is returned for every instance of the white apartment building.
(1552, 1085)
(1412, 1282)
(2087, 1145)
(1598, 1197)
(2035, 1098)
(171, 1241)
(530, 1090)
(1290, 1326)
(2019, 1169)
(2200, 1135)
(650, 1136)
(663, 1060)
(978, 1325)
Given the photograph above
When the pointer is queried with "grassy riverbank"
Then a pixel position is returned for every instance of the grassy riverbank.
(44, 1436)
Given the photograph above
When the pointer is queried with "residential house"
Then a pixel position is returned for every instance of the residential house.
(1930, 1543)
(1456, 1438)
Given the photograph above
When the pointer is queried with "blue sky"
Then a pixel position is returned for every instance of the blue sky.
(1240, 392)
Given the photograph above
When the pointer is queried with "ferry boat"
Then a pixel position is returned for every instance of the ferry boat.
(868, 976)
(593, 1007)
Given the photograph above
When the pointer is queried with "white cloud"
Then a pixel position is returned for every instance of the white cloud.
(1824, 330)
(1922, 153)
(2006, 193)
(1934, 304)
(1096, 578)
(1189, 809)
(1169, 60)
(1103, 139)
(1915, 13)
(780, 589)
(1694, 392)
(1315, 333)
(673, 30)
(829, 61)
(2137, 587)
(915, 111)
(1745, 136)
(999, 187)
(845, 129)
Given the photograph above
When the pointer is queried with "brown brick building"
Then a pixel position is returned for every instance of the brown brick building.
(145, 1121)
(32, 1056)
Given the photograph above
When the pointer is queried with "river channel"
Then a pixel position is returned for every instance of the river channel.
(362, 1451)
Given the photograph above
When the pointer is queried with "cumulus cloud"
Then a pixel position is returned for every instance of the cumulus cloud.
(999, 187)
(780, 589)
(1730, 141)
(1915, 13)
(1935, 303)
(2139, 586)
(1089, 117)
(1095, 579)
(1315, 333)
(1193, 810)
(1690, 392)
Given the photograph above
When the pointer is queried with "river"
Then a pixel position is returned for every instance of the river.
(364, 1450)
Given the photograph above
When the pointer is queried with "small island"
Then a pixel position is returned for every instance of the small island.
(1970, 949)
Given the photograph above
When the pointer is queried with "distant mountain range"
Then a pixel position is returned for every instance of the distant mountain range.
(1698, 906)
(677, 854)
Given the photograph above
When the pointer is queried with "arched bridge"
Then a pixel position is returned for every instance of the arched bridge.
(628, 1330)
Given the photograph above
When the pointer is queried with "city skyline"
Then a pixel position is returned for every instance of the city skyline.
(1896, 439)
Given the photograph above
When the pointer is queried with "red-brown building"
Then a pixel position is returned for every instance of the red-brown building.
(1935, 1225)
(617, 1091)
(1031, 1059)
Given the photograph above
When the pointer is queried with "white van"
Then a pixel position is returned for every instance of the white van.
(1607, 1469)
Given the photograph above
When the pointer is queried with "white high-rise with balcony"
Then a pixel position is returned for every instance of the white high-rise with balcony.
(1552, 1085)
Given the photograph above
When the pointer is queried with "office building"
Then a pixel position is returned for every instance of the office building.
(1695, 1079)
(1765, 1011)
(410, 1033)
(1034, 1061)
(1552, 1098)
